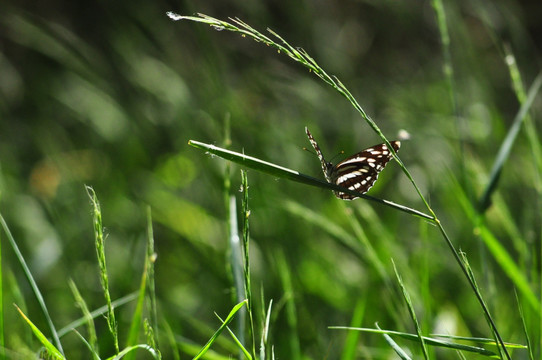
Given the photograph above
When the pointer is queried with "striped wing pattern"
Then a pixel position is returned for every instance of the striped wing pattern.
(358, 172)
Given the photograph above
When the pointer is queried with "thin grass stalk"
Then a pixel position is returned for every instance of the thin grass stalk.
(236, 262)
(33, 285)
(448, 68)
(410, 307)
(91, 329)
(150, 261)
(248, 288)
(100, 252)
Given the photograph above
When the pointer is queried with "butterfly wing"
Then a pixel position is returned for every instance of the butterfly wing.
(360, 171)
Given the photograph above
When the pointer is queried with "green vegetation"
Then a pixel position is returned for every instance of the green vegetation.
(102, 138)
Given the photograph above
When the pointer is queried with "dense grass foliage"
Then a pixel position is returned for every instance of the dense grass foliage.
(113, 225)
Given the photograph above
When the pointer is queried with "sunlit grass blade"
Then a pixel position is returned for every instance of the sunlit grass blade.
(33, 285)
(228, 319)
(51, 349)
(236, 261)
(410, 307)
(428, 340)
(282, 172)
(91, 329)
(480, 340)
(244, 351)
(99, 239)
(506, 146)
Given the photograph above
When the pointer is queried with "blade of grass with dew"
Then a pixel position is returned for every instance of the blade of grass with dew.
(150, 261)
(506, 146)
(282, 172)
(91, 329)
(352, 337)
(244, 351)
(428, 340)
(236, 261)
(33, 285)
(302, 57)
(398, 350)
(228, 319)
(137, 316)
(51, 349)
(410, 307)
(246, 242)
(100, 252)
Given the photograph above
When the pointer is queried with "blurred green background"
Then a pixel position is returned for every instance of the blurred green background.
(108, 95)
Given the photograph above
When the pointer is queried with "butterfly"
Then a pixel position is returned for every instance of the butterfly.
(358, 172)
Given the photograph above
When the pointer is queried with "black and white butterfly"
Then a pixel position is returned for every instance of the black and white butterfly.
(358, 172)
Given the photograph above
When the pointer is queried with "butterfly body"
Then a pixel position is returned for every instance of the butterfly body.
(357, 172)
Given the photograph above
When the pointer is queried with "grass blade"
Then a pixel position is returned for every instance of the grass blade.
(282, 172)
(51, 349)
(398, 350)
(408, 301)
(33, 285)
(91, 329)
(228, 319)
(506, 146)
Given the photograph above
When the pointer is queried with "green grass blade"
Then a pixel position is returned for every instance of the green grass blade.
(282, 172)
(428, 340)
(134, 348)
(244, 351)
(150, 260)
(91, 329)
(410, 307)
(352, 338)
(246, 253)
(91, 348)
(398, 350)
(236, 261)
(137, 316)
(33, 285)
(228, 319)
(506, 146)
(98, 312)
(51, 349)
